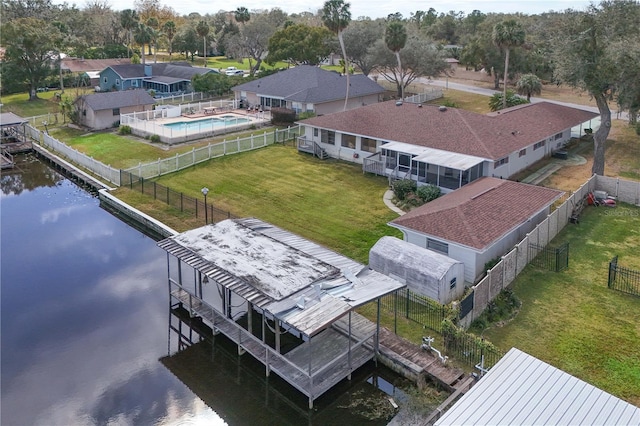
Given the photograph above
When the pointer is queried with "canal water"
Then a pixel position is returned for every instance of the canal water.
(86, 337)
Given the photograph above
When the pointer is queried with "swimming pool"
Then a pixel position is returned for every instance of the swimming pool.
(208, 123)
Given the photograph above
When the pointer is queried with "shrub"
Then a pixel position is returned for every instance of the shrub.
(306, 114)
(495, 101)
(638, 128)
(402, 188)
(428, 193)
(124, 130)
(282, 116)
(154, 138)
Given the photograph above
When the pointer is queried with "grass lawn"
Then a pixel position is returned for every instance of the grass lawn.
(331, 202)
(571, 319)
(128, 151)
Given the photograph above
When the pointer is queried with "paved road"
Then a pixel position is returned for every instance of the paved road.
(490, 92)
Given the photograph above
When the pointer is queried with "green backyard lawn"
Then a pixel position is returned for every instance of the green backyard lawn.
(571, 319)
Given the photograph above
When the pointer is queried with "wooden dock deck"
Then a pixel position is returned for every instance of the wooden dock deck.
(402, 355)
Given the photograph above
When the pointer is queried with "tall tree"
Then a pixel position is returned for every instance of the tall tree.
(169, 31)
(299, 44)
(242, 15)
(336, 16)
(529, 84)
(252, 41)
(203, 31)
(129, 21)
(143, 36)
(507, 34)
(587, 52)
(395, 37)
(359, 40)
(32, 47)
(154, 32)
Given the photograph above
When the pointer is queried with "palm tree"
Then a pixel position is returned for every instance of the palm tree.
(169, 31)
(529, 84)
(129, 21)
(142, 37)
(336, 17)
(203, 30)
(155, 33)
(242, 15)
(507, 34)
(395, 37)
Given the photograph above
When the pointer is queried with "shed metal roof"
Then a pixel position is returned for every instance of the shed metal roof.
(11, 119)
(523, 390)
(435, 156)
(300, 282)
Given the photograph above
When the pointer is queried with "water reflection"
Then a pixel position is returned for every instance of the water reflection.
(84, 314)
(203, 364)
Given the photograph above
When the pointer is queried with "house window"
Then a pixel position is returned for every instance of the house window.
(452, 283)
(501, 162)
(328, 137)
(538, 145)
(558, 136)
(438, 246)
(404, 161)
(116, 111)
(84, 112)
(522, 152)
(117, 82)
(315, 132)
(348, 141)
(134, 83)
(368, 145)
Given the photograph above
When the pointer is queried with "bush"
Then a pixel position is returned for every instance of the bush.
(638, 128)
(282, 116)
(428, 193)
(306, 114)
(402, 188)
(124, 130)
(495, 101)
(154, 138)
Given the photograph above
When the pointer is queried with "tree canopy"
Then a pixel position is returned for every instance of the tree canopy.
(299, 44)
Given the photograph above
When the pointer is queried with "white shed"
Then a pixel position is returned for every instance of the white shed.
(424, 271)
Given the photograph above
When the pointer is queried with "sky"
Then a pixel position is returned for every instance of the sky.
(369, 8)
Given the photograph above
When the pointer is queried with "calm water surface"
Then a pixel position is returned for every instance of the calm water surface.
(85, 332)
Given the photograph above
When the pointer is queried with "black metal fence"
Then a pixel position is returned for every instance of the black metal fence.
(470, 349)
(466, 305)
(554, 259)
(623, 279)
(183, 203)
(415, 307)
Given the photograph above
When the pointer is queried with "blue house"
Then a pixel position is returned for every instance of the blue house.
(164, 78)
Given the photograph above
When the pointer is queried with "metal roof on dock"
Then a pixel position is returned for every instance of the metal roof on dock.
(300, 282)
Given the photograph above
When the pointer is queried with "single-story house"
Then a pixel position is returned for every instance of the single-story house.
(523, 390)
(162, 78)
(447, 147)
(478, 222)
(309, 88)
(425, 272)
(102, 110)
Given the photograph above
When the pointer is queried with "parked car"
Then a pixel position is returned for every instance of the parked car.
(233, 71)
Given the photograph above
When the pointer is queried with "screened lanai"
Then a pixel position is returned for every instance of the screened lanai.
(287, 301)
(448, 170)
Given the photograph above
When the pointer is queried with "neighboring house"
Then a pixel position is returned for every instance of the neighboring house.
(447, 147)
(425, 272)
(80, 65)
(478, 222)
(102, 110)
(163, 78)
(523, 390)
(309, 88)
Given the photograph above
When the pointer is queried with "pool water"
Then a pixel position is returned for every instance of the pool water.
(208, 123)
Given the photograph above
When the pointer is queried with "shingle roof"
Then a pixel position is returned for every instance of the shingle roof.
(79, 65)
(311, 84)
(488, 136)
(479, 213)
(177, 70)
(121, 99)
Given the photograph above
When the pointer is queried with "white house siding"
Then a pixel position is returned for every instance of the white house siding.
(104, 119)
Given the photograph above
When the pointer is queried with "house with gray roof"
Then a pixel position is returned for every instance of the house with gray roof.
(478, 222)
(446, 147)
(309, 88)
(163, 79)
(102, 110)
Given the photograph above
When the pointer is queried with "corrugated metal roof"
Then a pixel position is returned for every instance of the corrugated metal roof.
(523, 390)
(300, 282)
(11, 119)
(435, 156)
